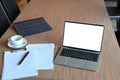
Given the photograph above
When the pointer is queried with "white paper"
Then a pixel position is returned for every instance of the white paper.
(44, 54)
(40, 57)
(11, 69)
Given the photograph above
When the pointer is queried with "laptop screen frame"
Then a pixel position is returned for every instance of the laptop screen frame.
(86, 24)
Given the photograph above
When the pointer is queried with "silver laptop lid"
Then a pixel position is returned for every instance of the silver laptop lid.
(85, 36)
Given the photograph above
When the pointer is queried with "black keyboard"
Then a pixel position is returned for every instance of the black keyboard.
(85, 55)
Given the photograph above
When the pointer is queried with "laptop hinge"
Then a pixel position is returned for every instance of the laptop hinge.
(81, 49)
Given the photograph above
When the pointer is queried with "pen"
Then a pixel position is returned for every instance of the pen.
(23, 58)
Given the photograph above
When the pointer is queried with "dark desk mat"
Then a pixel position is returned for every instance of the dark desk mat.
(30, 27)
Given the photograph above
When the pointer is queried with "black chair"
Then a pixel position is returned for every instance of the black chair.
(117, 33)
(4, 22)
(8, 13)
(11, 9)
(114, 13)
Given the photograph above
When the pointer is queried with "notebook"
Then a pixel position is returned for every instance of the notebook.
(81, 45)
(33, 26)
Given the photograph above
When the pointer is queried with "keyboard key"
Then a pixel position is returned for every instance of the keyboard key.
(79, 54)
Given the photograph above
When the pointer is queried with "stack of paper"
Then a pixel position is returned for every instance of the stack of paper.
(43, 55)
(40, 57)
(11, 69)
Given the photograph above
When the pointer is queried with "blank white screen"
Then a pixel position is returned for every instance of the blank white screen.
(83, 36)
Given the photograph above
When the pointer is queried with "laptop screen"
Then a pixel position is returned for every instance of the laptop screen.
(85, 36)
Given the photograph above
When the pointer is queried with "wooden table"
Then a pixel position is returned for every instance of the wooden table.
(55, 12)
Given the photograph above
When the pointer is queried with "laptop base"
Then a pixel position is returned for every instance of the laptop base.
(76, 63)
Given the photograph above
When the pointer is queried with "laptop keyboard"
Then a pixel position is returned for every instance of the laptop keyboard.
(79, 54)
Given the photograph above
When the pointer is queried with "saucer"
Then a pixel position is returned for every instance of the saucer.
(17, 46)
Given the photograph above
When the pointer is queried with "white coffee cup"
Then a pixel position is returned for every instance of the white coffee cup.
(16, 40)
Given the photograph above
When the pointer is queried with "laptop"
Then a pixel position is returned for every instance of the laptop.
(81, 47)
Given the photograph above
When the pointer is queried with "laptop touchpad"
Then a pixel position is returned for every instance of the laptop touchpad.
(76, 62)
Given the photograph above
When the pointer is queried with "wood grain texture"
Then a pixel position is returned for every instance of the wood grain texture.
(55, 12)
(21, 4)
